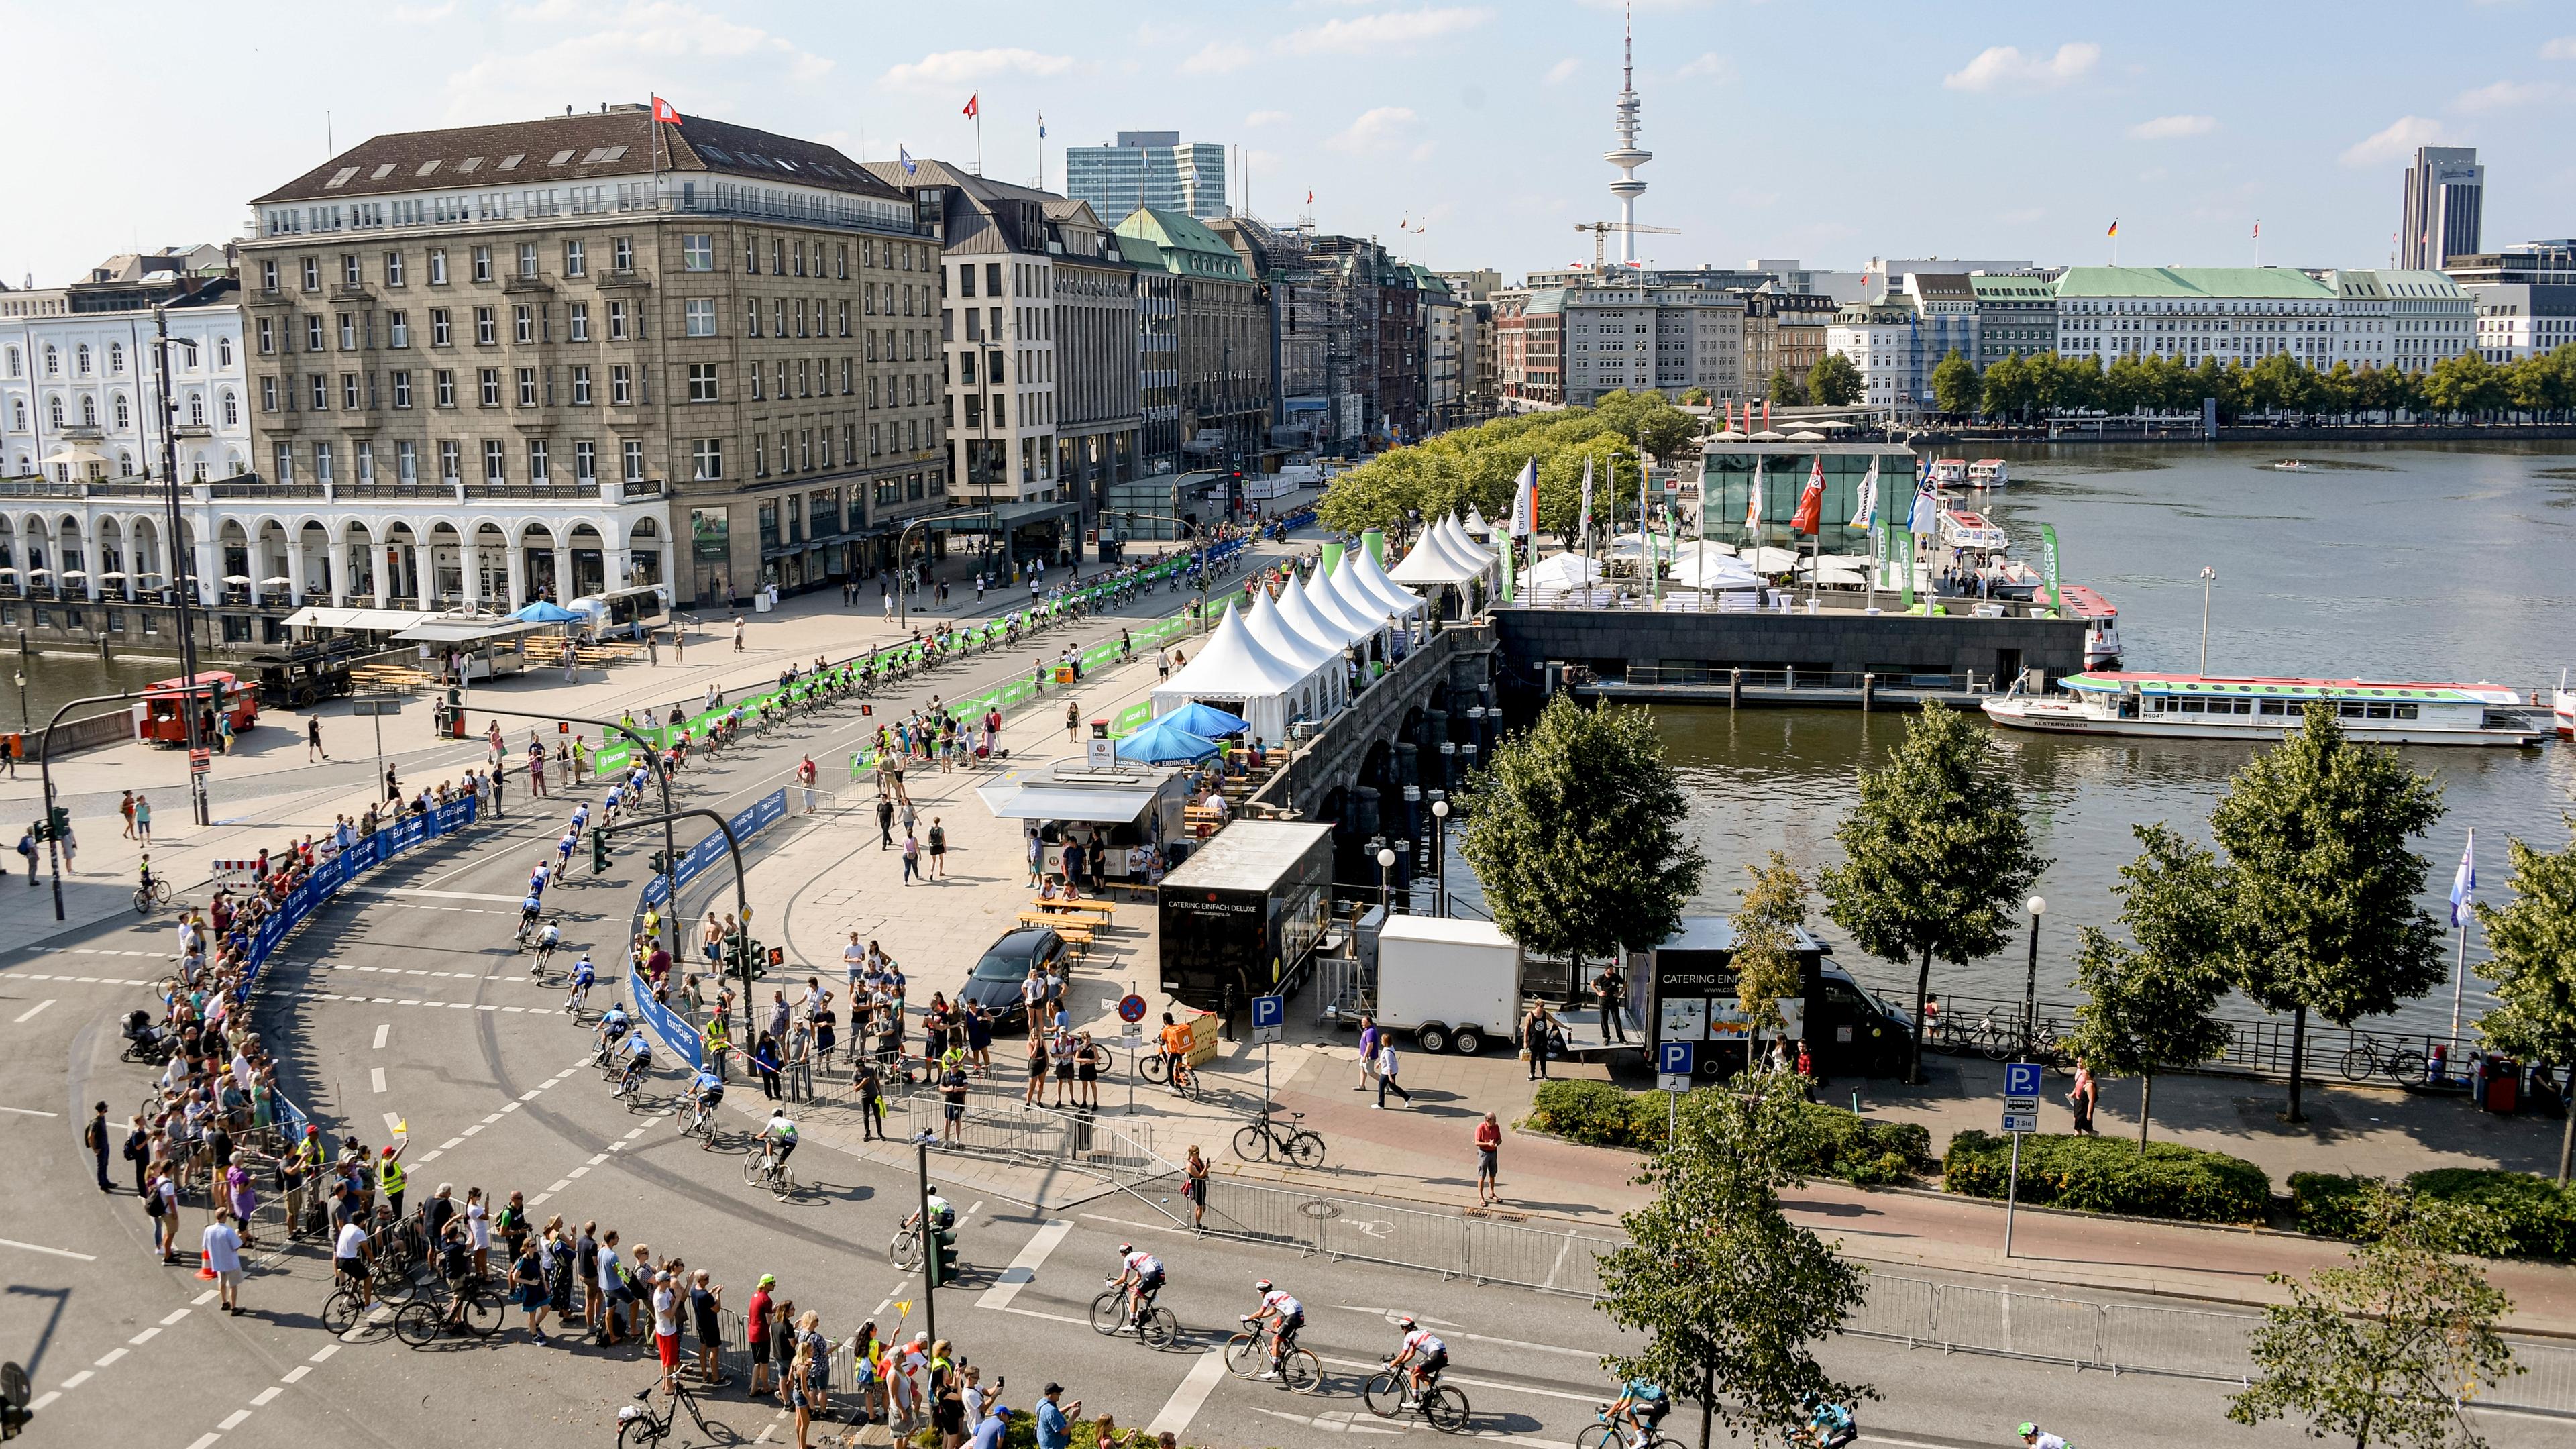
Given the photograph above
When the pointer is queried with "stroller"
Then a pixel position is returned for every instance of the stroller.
(144, 1042)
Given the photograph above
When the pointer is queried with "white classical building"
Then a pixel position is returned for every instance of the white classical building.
(78, 388)
(1879, 339)
(2235, 314)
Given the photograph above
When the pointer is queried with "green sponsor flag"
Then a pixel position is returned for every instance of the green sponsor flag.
(2048, 563)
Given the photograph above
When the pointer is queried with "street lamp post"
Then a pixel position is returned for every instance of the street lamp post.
(2208, 576)
(2030, 983)
(1385, 877)
(178, 575)
(1440, 847)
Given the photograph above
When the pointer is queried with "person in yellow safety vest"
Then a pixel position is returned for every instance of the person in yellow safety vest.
(716, 1041)
(389, 1177)
(652, 924)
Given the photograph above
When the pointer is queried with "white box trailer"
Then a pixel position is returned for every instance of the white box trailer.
(1449, 982)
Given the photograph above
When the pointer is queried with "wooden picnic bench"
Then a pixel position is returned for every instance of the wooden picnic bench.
(1093, 905)
(1078, 932)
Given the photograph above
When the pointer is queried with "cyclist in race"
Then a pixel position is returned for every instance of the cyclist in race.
(778, 1139)
(563, 850)
(1141, 1274)
(1422, 1356)
(537, 879)
(1829, 1425)
(612, 1025)
(2032, 1435)
(1640, 1407)
(706, 1093)
(583, 974)
(549, 936)
(608, 804)
(528, 910)
(639, 1061)
(1283, 1315)
(581, 816)
(942, 1216)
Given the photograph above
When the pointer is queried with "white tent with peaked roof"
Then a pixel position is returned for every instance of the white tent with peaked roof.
(1434, 560)
(1233, 672)
(1322, 663)
(1368, 578)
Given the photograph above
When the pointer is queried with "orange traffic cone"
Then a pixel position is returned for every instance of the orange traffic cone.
(206, 1264)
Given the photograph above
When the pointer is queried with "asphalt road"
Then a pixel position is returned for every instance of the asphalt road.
(407, 998)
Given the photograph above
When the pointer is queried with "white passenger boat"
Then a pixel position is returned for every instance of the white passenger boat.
(2562, 708)
(1988, 473)
(2204, 707)
(2101, 625)
(1969, 531)
(1949, 472)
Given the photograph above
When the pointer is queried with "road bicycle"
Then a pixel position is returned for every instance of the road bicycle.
(697, 1119)
(1266, 1135)
(638, 1424)
(763, 1169)
(1157, 1068)
(1390, 1392)
(344, 1312)
(1156, 1327)
(1247, 1355)
(470, 1306)
(904, 1249)
(1603, 1433)
(630, 1080)
(2370, 1058)
(154, 892)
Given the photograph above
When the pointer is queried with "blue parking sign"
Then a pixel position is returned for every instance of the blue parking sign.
(1673, 1058)
(2021, 1079)
(1269, 1011)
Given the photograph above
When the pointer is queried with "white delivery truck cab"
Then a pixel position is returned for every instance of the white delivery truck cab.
(1449, 982)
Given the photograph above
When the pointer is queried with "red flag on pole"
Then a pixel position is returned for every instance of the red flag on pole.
(973, 104)
(1811, 501)
(665, 112)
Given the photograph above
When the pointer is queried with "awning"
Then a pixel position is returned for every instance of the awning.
(382, 621)
(1087, 802)
(981, 518)
(448, 630)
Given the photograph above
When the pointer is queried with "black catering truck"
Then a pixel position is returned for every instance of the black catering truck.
(1247, 907)
(1690, 996)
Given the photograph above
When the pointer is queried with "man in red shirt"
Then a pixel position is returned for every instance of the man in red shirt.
(755, 1318)
(1489, 1147)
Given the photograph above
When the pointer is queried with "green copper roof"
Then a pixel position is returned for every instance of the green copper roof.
(2213, 282)
(1189, 248)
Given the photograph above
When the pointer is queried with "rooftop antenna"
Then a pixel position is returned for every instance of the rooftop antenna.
(1627, 156)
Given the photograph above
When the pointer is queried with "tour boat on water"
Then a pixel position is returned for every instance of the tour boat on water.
(2289, 465)
(1969, 531)
(1988, 473)
(2101, 625)
(2203, 707)
(1949, 472)
(2562, 708)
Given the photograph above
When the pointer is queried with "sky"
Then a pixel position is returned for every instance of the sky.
(1458, 134)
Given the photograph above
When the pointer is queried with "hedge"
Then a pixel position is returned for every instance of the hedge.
(1848, 1146)
(2110, 1175)
(2537, 1215)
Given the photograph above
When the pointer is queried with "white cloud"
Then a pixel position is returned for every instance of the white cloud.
(1382, 128)
(1392, 29)
(1710, 64)
(1217, 57)
(2004, 67)
(2170, 128)
(2504, 93)
(1563, 71)
(1264, 118)
(626, 48)
(422, 14)
(2396, 143)
(949, 68)
(2562, 48)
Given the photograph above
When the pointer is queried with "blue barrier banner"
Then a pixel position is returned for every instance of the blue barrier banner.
(668, 1025)
(768, 810)
(328, 878)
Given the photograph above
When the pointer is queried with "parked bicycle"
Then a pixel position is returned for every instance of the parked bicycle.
(470, 1306)
(638, 1424)
(2370, 1058)
(1266, 1135)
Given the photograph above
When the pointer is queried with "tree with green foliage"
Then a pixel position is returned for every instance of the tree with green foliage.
(1575, 831)
(2533, 943)
(2390, 1348)
(2320, 885)
(2149, 1005)
(1476, 466)
(1734, 1297)
(1766, 942)
(1834, 381)
(1785, 390)
(1696, 397)
(1954, 385)
(1936, 854)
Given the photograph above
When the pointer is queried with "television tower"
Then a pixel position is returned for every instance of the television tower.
(1627, 156)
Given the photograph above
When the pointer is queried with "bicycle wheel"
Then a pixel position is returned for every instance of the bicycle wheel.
(642, 1429)
(1301, 1371)
(339, 1312)
(904, 1250)
(1994, 1044)
(483, 1311)
(751, 1171)
(142, 900)
(417, 1324)
(1158, 1328)
(782, 1183)
(161, 891)
(1109, 1312)
(1596, 1436)
(2359, 1063)
(395, 1283)
(1190, 1083)
(2405, 1065)
(1384, 1394)
(1446, 1408)
(1155, 1069)
(1243, 1357)
(1251, 1143)
(1306, 1150)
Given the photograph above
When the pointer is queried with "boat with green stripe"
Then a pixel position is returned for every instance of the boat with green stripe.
(2194, 706)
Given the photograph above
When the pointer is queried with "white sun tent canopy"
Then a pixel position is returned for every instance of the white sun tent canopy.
(1231, 670)
(1564, 571)
(1297, 611)
(1370, 580)
(1463, 543)
(1435, 559)
(1331, 595)
(1305, 652)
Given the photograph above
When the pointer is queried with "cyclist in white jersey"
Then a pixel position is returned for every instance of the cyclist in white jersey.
(1141, 1274)
(1422, 1355)
(1283, 1315)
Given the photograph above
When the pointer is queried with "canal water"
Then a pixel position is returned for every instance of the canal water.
(50, 680)
(2381, 562)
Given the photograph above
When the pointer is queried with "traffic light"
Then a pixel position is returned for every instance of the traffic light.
(598, 851)
(58, 822)
(943, 1256)
(661, 862)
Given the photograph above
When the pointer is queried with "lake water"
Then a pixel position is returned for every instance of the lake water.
(2415, 563)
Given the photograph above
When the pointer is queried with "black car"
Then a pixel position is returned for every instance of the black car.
(994, 985)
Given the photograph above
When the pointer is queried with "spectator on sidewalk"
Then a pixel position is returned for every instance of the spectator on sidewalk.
(737, 633)
(1537, 1032)
(1610, 988)
(2082, 1097)
(1386, 1072)
(222, 1245)
(1489, 1147)
(1055, 1430)
(1368, 1052)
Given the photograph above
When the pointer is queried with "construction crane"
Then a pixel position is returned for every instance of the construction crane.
(1601, 231)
